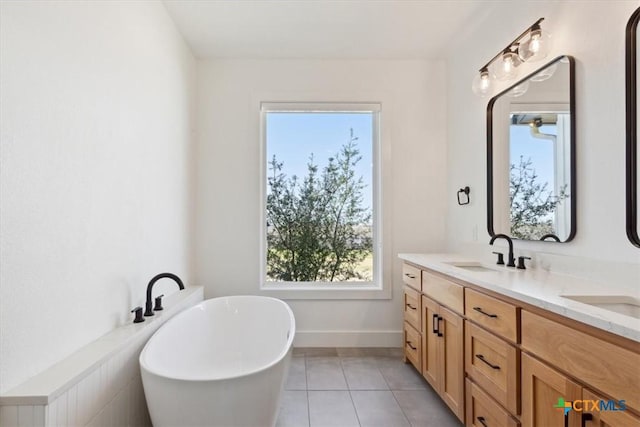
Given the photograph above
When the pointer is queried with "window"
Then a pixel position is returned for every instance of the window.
(320, 196)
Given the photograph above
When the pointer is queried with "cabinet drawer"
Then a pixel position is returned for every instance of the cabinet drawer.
(411, 276)
(597, 363)
(482, 411)
(494, 364)
(412, 310)
(413, 346)
(497, 316)
(443, 291)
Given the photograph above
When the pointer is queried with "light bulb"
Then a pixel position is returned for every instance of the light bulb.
(536, 47)
(481, 83)
(507, 67)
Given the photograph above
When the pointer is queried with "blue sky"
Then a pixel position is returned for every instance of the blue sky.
(539, 150)
(293, 137)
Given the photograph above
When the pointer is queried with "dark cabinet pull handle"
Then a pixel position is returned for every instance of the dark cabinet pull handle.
(434, 326)
(479, 309)
(409, 344)
(410, 306)
(410, 276)
(481, 357)
(585, 418)
(483, 422)
(439, 319)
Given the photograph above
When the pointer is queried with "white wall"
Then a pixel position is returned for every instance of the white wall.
(594, 33)
(412, 94)
(96, 121)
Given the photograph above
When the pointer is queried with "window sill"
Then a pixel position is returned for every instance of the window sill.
(294, 291)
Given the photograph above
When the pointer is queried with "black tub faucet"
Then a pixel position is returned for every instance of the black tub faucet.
(512, 260)
(149, 305)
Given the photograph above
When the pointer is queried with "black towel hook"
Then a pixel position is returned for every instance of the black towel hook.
(466, 190)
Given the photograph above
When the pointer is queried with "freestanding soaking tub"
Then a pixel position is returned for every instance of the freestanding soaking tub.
(222, 362)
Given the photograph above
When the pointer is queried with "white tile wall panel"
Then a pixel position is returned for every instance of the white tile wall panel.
(110, 394)
(8, 416)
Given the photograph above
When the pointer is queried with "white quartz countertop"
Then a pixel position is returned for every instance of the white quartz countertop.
(541, 289)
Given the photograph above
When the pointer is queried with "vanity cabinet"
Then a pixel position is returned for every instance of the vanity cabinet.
(443, 340)
(483, 411)
(497, 316)
(542, 386)
(412, 346)
(608, 418)
(442, 347)
(605, 366)
(498, 361)
(412, 312)
(493, 364)
(411, 276)
(492, 359)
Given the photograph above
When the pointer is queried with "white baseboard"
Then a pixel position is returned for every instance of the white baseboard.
(348, 339)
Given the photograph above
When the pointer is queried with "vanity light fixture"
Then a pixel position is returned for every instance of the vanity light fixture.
(532, 45)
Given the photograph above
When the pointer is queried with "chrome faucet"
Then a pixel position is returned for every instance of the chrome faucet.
(149, 305)
(512, 260)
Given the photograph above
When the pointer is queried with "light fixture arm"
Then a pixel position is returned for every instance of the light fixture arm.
(515, 42)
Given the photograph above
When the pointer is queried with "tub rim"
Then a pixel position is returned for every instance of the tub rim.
(287, 348)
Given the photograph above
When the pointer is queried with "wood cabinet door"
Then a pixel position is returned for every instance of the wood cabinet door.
(542, 389)
(430, 313)
(451, 361)
(599, 418)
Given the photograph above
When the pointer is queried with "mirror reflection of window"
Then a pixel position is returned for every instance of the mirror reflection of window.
(530, 145)
(538, 178)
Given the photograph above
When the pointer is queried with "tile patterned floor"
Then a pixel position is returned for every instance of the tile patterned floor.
(365, 387)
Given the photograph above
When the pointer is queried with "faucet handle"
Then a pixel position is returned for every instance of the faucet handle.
(158, 305)
(521, 259)
(500, 258)
(138, 312)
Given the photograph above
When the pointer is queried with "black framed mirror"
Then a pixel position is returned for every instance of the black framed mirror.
(632, 160)
(531, 167)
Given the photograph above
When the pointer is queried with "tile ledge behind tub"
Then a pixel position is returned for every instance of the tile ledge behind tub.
(45, 387)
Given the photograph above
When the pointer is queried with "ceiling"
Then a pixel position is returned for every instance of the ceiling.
(321, 29)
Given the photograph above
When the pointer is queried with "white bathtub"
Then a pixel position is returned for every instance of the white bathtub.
(222, 362)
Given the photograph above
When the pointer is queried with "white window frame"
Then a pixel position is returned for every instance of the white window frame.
(374, 289)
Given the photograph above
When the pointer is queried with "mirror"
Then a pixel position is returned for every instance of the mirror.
(633, 183)
(531, 156)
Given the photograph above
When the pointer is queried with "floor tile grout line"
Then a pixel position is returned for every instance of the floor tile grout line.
(350, 390)
(355, 410)
(401, 409)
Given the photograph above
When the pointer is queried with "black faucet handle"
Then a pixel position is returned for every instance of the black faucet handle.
(138, 312)
(158, 305)
(500, 258)
(521, 259)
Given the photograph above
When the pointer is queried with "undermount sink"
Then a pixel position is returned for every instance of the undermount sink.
(621, 304)
(471, 266)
